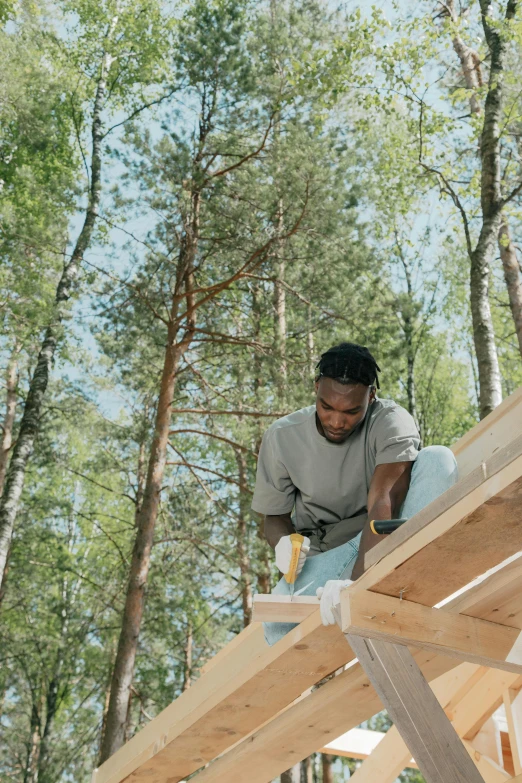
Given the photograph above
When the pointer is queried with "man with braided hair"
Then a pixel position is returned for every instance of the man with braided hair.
(325, 471)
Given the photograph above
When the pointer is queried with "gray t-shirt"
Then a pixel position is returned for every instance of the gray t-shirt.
(326, 484)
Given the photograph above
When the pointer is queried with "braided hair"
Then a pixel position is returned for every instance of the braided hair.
(349, 363)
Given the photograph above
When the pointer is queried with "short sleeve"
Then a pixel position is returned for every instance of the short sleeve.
(274, 491)
(396, 437)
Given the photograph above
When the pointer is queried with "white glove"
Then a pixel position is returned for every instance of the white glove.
(283, 553)
(330, 596)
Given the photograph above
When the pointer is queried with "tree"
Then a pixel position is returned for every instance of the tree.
(38, 166)
(471, 65)
(399, 88)
(212, 62)
(115, 68)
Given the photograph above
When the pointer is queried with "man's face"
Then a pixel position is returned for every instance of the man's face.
(341, 407)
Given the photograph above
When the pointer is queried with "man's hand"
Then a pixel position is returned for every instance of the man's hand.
(388, 489)
(283, 553)
(330, 596)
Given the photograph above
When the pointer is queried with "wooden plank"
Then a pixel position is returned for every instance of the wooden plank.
(513, 707)
(237, 641)
(213, 714)
(355, 744)
(242, 691)
(337, 706)
(482, 701)
(386, 762)
(472, 527)
(391, 755)
(389, 619)
(490, 772)
(507, 760)
(283, 608)
(415, 710)
(490, 435)
(304, 727)
(487, 741)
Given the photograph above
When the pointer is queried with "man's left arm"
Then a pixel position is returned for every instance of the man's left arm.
(387, 493)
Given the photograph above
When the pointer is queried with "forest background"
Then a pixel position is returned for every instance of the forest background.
(197, 199)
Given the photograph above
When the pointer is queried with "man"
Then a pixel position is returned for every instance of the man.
(327, 470)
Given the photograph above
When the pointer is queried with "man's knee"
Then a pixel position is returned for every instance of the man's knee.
(439, 461)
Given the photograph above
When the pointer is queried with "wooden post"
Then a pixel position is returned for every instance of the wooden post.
(513, 706)
(415, 711)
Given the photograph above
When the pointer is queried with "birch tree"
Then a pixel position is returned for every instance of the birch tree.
(472, 73)
(396, 81)
(115, 44)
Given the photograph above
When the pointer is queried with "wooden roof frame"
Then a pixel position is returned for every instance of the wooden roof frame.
(252, 708)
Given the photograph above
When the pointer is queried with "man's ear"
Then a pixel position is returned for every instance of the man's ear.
(316, 386)
(373, 393)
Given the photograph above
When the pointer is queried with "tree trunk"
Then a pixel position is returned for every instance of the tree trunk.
(469, 61)
(327, 768)
(490, 387)
(9, 416)
(51, 706)
(33, 750)
(280, 320)
(242, 545)
(148, 513)
(471, 70)
(140, 472)
(30, 422)
(183, 297)
(508, 255)
(310, 345)
(187, 658)
(263, 572)
(292, 775)
(307, 775)
(128, 719)
(408, 325)
(491, 203)
(106, 702)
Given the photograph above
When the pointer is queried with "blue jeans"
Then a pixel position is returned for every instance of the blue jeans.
(433, 472)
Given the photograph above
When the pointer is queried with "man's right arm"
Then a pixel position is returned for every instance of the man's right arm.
(276, 527)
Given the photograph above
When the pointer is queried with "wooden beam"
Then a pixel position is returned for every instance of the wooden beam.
(513, 707)
(488, 742)
(253, 683)
(490, 435)
(355, 744)
(382, 617)
(238, 641)
(392, 755)
(338, 705)
(490, 772)
(386, 762)
(283, 608)
(416, 712)
(472, 527)
(482, 701)
(239, 693)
